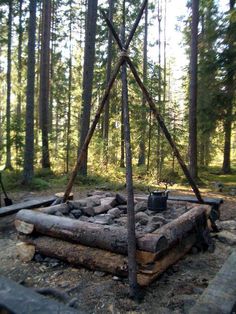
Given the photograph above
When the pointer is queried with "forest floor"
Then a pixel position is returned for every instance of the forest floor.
(176, 291)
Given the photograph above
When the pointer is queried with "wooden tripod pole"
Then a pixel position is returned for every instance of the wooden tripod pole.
(164, 130)
(133, 286)
(92, 129)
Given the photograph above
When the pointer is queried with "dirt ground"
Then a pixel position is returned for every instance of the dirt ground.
(176, 291)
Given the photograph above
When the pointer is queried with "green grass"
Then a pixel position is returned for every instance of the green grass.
(113, 178)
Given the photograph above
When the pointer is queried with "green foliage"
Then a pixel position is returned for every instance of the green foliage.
(39, 184)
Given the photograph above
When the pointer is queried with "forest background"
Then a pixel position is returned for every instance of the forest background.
(56, 58)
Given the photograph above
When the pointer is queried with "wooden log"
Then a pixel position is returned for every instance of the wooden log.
(40, 201)
(24, 227)
(219, 296)
(76, 254)
(149, 273)
(63, 208)
(192, 220)
(110, 238)
(25, 251)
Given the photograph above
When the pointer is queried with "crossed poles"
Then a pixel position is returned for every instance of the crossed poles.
(124, 59)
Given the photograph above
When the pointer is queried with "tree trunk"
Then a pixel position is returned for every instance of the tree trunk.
(142, 146)
(29, 135)
(44, 81)
(108, 75)
(89, 58)
(8, 107)
(193, 91)
(159, 140)
(19, 87)
(230, 88)
(69, 95)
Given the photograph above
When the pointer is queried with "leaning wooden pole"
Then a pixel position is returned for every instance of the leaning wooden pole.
(165, 130)
(92, 129)
(133, 286)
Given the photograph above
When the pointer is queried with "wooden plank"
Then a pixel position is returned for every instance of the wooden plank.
(37, 202)
(185, 198)
(17, 299)
(220, 295)
(193, 199)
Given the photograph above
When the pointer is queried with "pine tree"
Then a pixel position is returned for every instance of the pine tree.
(88, 68)
(9, 83)
(44, 81)
(29, 121)
(193, 91)
(230, 84)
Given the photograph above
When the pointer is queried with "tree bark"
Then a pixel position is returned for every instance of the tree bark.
(230, 88)
(19, 87)
(80, 255)
(8, 106)
(88, 68)
(29, 121)
(193, 91)
(44, 81)
(142, 146)
(68, 135)
(129, 178)
(108, 75)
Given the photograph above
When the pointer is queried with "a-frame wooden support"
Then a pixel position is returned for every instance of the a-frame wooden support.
(125, 59)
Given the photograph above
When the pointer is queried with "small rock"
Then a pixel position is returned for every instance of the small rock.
(83, 218)
(198, 290)
(71, 216)
(99, 273)
(114, 212)
(38, 258)
(64, 285)
(227, 224)
(218, 186)
(58, 213)
(121, 200)
(115, 278)
(103, 219)
(232, 192)
(122, 221)
(123, 208)
(88, 211)
(226, 237)
(93, 201)
(152, 227)
(142, 218)
(65, 209)
(140, 206)
(194, 250)
(76, 213)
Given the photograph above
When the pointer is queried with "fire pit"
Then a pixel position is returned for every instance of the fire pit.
(92, 232)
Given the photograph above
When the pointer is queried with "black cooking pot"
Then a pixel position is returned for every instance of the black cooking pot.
(157, 200)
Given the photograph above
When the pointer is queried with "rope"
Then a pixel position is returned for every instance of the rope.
(124, 54)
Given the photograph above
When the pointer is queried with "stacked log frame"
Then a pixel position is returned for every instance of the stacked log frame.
(103, 247)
